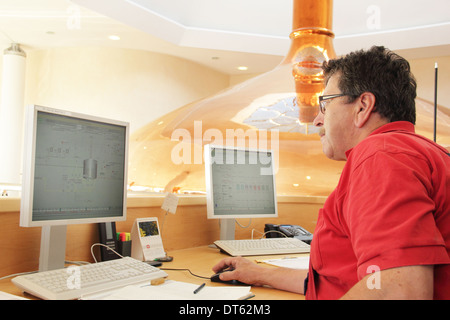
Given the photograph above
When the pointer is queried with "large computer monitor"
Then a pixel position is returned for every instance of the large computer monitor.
(240, 183)
(74, 171)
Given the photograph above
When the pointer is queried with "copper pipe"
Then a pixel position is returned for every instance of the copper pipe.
(311, 46)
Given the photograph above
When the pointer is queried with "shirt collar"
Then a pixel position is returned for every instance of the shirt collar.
(395, 126)
(389, 127)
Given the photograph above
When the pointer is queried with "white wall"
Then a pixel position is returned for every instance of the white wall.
(423, 69)
(131, 85)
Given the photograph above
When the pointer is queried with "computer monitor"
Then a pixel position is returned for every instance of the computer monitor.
(240, 183)
(74, 171)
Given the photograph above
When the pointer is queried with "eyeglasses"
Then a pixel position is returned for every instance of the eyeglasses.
(323, 100)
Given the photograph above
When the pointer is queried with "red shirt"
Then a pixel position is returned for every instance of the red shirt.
(391, 208)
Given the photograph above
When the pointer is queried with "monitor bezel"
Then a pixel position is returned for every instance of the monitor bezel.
(26, 207)
(210, 187)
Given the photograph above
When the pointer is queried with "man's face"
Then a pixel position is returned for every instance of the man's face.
(336, 125)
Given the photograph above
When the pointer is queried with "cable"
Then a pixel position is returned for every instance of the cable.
(17, 274)
(243, 227)
(164, 220)
(101, 244)
(284, 235)
(68, 262)
(253, 230)
(263, 234)
(195, 275)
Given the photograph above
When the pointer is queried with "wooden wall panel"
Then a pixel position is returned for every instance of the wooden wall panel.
(189, 227)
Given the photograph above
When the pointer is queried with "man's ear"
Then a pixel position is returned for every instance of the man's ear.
(365, 107)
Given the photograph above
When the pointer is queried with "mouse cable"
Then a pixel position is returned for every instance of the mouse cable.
(195, 275)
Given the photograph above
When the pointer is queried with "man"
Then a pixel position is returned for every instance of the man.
(384, 232)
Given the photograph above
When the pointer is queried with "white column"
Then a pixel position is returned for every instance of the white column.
(11, 115)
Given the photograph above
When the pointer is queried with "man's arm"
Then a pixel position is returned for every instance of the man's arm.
(252, 274)
(410, 282)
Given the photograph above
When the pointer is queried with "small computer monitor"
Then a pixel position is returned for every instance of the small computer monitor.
(74, 172)
(240, 183)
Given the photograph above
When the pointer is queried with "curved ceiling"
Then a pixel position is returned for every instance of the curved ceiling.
(222, 34)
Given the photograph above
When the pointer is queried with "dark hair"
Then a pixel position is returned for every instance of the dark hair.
(381, 72)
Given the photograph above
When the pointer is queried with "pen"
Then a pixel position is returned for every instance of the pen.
(199, 288)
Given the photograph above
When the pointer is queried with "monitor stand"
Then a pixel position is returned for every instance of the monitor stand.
(53, 248)
(227, 227)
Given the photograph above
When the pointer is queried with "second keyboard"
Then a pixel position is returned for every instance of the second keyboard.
(266, 246)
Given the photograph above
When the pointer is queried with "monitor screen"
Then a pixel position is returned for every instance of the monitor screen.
(240, 183)
(75, 168)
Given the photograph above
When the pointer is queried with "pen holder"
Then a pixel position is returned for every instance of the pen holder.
(125, 248)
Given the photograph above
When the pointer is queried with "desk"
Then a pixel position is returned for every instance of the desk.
(199, 260)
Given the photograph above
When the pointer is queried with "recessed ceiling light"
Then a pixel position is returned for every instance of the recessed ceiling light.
(113, 37)
(242, 68)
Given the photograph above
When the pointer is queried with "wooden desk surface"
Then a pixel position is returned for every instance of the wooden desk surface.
(199, 261)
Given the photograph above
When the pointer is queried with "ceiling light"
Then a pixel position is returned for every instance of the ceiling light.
(242, 68)
(113, 37)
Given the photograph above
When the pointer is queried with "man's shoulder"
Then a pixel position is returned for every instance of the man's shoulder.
(390, 144)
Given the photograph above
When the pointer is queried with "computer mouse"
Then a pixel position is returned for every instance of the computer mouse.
(216, 278)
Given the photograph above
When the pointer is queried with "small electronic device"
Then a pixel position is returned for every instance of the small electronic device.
(216, 278)
(146, 240)
(107, 235)
(293, 231)
(240, 183)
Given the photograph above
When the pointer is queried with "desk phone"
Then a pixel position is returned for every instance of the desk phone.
(289, 230)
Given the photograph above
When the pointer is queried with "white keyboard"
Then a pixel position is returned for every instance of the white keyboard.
(259, 247)
(74, 282)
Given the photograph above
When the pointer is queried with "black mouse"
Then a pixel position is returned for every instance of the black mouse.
(216, 278)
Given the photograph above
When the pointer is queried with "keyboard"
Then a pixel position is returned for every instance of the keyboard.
(259, 247)
(76, 281)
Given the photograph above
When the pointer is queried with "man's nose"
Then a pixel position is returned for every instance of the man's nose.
(318, 120)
